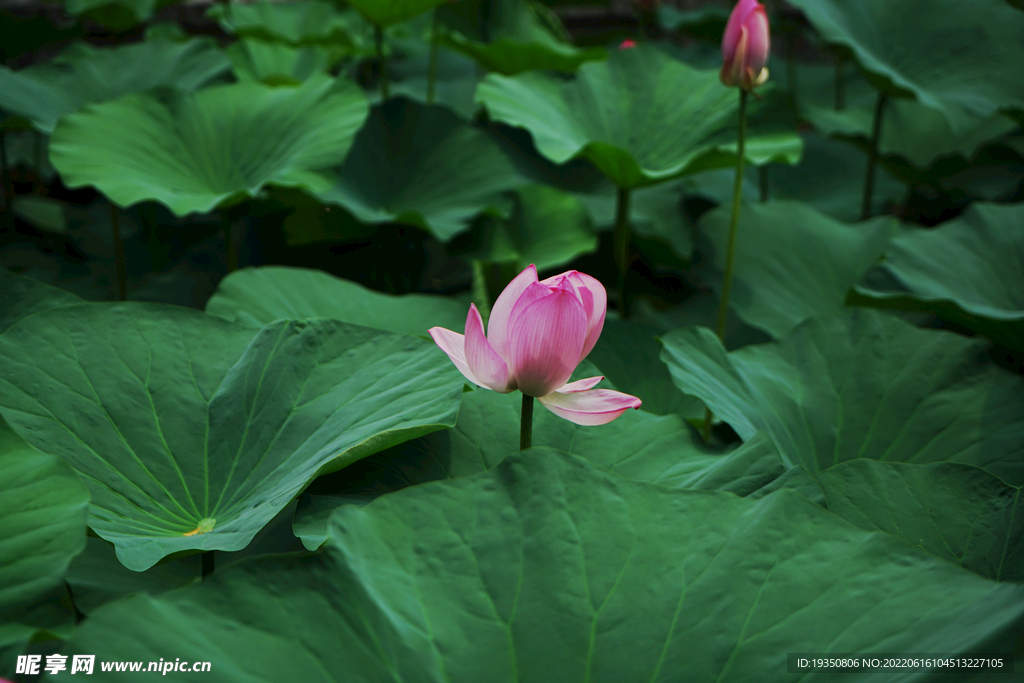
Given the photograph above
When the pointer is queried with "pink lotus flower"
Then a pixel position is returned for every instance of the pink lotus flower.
(745, 46)
(537, 334)
(627, 43)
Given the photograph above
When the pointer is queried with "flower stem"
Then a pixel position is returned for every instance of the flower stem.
(526, 426)
(378, 35)
(432, 68)
(621, 241)
(869, 179)
(730, 249)
(122, 269)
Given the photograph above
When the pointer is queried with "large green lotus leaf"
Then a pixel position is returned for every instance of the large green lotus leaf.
(512, 36)
(421, 165)
(792, 262)
(865, 385)
(96, 576)
(193, 151)
(192, 432)
(967, 270)
(277, 63)
(957, 512)
(388, 12)
(953, 59)
(296, 23)
(537, 571)
(640, 446)
(829, 178)
(24, 296)
(83, 74)
(910, 130)
(42, 520)
(257, 296)
(547, 228)
(640, 116)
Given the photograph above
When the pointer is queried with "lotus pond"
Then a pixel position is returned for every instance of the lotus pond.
(512, 340)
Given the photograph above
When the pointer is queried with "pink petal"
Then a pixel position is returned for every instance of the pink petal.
(759, 40)
(589, 408)
(500, 322)
(594, 298)
(531, 294)
(580, 385)
(740, 57)
(454, 344)
(738, 17)
(545, 341)
(483, 361)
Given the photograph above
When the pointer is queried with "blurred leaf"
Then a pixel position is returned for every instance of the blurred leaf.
(97, 577)
(829, 178)
(866, 385)
(627, 115)
(948, 59)
(277, 63)
(707, 22)
(510, 36)
(83, 74)
(792, 263)
(192, 152)
(24, 296)
(387, 12)
(967, 270)
(42, 521)
(309, 22)
(191, 432)
(957, 512)
(41, 212)
(547, 227)
(422, 166)
(535, 570)
(118, 15)
(258, 296)
(910, 130)
(655, 212)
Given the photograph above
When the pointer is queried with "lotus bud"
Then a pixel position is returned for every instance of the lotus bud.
(745, 46)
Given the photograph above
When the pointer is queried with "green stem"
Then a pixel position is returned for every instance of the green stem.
(621, 244)
(378, 35)
(479, 289)
(869, 179)
(432, 68)
(526, 425)
(730, 249)
(122, 268)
